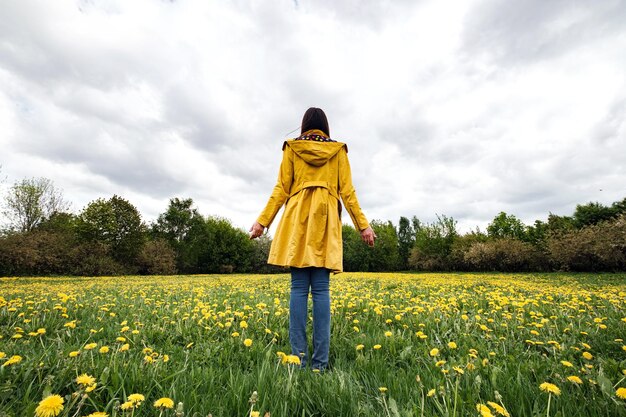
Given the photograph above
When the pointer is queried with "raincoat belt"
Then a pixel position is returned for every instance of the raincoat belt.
(311, 184)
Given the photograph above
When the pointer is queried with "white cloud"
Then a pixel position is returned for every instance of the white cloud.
(458, 109)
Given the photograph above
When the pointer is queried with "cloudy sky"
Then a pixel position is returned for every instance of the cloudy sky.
(462, 108)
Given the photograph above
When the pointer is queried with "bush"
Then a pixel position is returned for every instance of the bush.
(157, 258)
(506, 255)
(34, 253)
(600, 247)
(94, 259)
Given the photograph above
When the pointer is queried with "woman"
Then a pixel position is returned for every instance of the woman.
(313, 175)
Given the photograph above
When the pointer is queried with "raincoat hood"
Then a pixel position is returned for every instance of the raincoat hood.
(314, 153)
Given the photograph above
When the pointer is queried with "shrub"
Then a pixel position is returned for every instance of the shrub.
(600, 247)
(157, 258)
(506, 255)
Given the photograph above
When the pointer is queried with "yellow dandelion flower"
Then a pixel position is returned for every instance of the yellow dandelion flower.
(587, 356)
(388, 333)
(484, 410)
(166, 358)
(551, 388)
(255, 413)
(621, 393)
(90, 346)
(104, 349)
(247, 342)
(498, 409)
(458, 370)
(382, 389)
(452, 345)
(91, 387)
(566, 363)
(98, 414)
(235, 334)
(136, 398)
(120, 339)
(243, 324)
(574, 379)
(3, 355)
(434, 352)
(164, 403)
(431, 392)
(127, 405)
(124, 347)
(41, 331)
(293, 359)
(13, 360)
(376, 347)
(85, 379)
(51, 406)
(74, 354)
(440, 363)
(360, 347)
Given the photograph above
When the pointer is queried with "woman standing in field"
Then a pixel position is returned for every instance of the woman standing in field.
(313, 175)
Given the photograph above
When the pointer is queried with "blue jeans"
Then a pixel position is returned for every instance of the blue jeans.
(317, 279)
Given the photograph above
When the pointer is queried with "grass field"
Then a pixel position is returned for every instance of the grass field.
(402, 345)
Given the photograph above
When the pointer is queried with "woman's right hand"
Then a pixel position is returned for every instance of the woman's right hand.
(368, 236)
(256, 230)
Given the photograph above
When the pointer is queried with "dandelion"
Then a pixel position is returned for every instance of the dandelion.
(255, 413)
(50, 406)
(587, 356)
(458, 370)
(247, 342)
(550, 388)
(388, 333)
(85, 380)
(13, 360)
(136, 398)
(293, 359)
(621, 393)
(484, 410)
(235, 334)
(440, 363)
(566, 363)
(74, 354)
(431, 392)
(127, 405)
(575, 380)
(452, 345)
(98, 414)
(376, 347)
(382, 389)
(124, 347)
(164, 402)
(91, 346)
(243, 324)
(434, 352)
(41, 331)
(498, 408)
(360, 347)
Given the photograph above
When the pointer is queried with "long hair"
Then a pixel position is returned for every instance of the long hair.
(315, 118)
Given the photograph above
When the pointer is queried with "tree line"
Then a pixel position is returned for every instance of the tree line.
(109, 237)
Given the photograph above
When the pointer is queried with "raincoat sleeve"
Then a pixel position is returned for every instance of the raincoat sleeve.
(280, 194)
(348, 194)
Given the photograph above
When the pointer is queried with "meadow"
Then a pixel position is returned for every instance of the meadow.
(402, 345)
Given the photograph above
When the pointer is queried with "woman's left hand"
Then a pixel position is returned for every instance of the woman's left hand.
(256, 230)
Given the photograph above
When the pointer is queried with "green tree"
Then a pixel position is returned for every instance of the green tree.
(182, 227)
(115, 223)
(506, 226)
(384, 256)
(356, 254)
(31, 201)
(433, 244)
(592, 213)
(406, 239)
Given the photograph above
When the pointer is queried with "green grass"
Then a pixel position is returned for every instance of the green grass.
(511, 332)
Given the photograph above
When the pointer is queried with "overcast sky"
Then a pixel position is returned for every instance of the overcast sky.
(462, 108)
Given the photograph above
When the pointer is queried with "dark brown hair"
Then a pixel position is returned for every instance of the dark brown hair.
(315, 118)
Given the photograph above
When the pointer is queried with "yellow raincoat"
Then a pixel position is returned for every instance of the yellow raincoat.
(312, 177)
